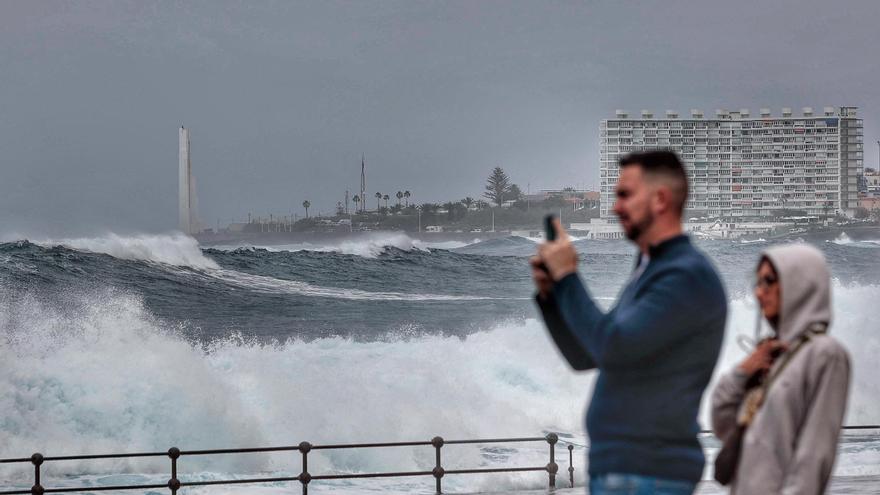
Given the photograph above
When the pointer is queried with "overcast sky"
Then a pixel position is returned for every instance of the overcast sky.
(283, 98)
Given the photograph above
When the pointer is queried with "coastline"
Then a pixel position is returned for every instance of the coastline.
(819, 234)
(277, 238)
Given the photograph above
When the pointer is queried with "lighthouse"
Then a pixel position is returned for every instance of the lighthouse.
(185, 196)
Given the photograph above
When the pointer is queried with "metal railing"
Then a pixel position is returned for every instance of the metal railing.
(843, 428)
(305, 477)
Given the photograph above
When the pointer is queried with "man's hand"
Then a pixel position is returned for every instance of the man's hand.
(761, 359)
(558, 256)
(540, 277)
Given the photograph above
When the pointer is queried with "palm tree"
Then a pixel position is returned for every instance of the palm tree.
(399, 197)
(378, 198)
(306, 205)
(429, 208)
(386, 198)
(407, 194)
(468, 202)
(356, 199)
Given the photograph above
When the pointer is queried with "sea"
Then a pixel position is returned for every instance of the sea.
(137, 343)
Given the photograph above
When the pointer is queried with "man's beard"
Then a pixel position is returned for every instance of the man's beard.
(635, 230)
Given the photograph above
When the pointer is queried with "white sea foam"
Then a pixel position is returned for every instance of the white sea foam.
(845, 240)
(842, 239)
(172, 249)
(271, 285)
(540, 239)
(106, 376)
(98, 373)
(366, 245)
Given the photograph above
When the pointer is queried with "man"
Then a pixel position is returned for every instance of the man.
(655, 349)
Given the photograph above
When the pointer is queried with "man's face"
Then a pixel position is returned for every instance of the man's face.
(633, 204)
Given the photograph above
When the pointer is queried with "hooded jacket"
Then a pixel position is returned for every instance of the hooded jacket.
(790, 446)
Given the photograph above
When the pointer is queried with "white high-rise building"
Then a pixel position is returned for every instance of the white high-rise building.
(185, 195)
(744, 166)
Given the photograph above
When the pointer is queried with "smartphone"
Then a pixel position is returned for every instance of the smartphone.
(549, 229)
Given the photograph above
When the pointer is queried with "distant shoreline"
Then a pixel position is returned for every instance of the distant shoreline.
(854, 232)
(276, 238)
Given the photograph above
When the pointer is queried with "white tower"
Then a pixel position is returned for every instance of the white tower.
(363, 185)
(185, 199)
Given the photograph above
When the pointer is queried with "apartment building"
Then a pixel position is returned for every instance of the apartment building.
(748, 167)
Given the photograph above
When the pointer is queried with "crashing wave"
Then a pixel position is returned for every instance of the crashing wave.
(271, 285)
(366, 246)
(845, 240)
(152, 388)
(171, 249)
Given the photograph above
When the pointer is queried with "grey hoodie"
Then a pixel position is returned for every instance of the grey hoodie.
(791, 444)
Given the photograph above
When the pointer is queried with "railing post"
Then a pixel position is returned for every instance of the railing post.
(438, 471)
(37, 460)
(304, 476)
(173, 483)
(552, 467)
(570, 465)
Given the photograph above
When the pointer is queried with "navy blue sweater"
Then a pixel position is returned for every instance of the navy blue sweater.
(655, 351)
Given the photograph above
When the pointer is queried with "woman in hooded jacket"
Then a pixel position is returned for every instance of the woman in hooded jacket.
(787, 399)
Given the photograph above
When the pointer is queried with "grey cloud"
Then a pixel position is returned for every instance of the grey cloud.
(282, 98)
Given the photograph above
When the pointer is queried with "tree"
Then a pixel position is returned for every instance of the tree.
(399, 197)
(378, 198)
(357, 200)
(554, 201)
(862, 213)
(468, 202)
(497, 186)
(514, 193)
(455, 210)
(386, 198)
(306, 205)
(407, 194)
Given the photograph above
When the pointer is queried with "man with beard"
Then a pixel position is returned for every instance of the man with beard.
(655, 349)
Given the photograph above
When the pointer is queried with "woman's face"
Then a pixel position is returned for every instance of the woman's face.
(767, 291)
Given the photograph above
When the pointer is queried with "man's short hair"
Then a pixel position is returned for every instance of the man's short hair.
(666, 166)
